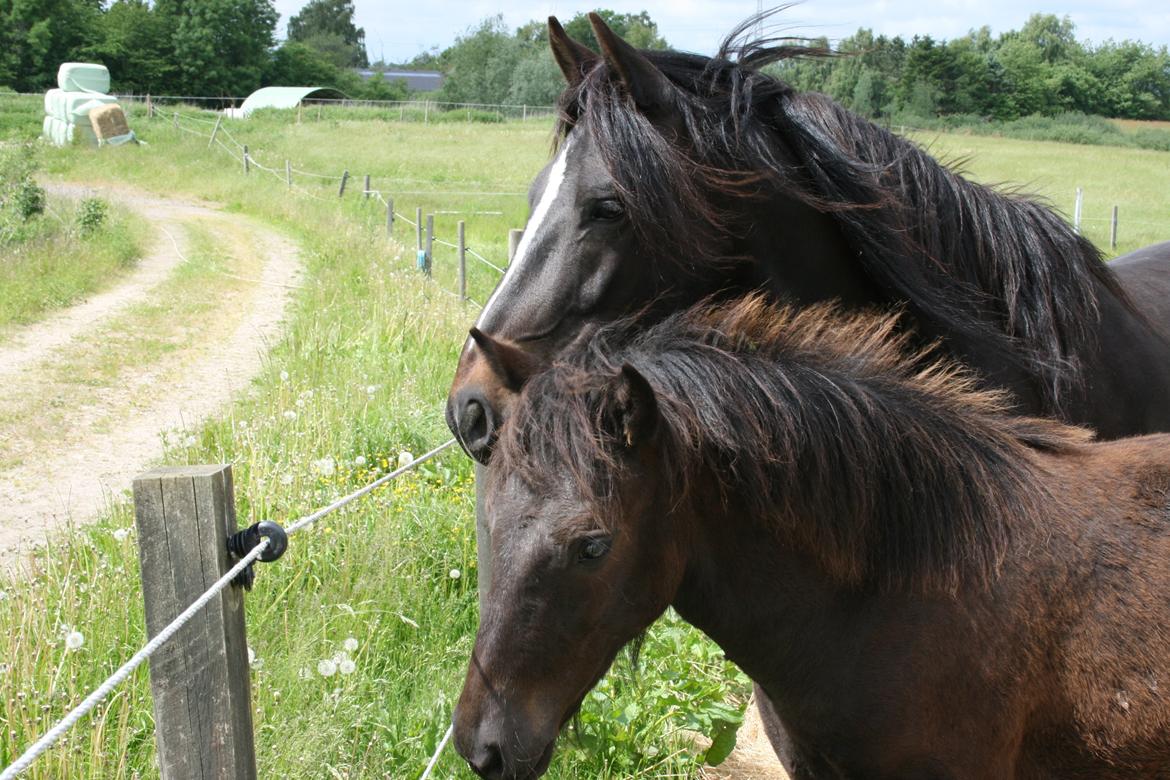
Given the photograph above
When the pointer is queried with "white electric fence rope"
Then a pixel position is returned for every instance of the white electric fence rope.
(438, 752)
(54, 734)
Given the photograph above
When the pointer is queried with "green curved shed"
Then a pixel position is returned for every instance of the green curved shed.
(284, 97)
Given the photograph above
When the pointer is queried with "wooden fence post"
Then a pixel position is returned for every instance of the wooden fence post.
(288, 173)
(246, 168)
(175, 119)
(514, 236)
(1113, 230)
(344, 179)
(366, 191)
(430, 244)
(215, 131)
(462, 250)
(149, 107)
(389, 217)
(199, 680)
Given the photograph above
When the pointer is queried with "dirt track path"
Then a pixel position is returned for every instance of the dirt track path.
(67, 443)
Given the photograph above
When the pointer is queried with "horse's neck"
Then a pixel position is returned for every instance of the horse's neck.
(764, 603)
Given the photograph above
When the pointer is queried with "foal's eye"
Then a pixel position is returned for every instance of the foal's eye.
(607, 210)
(593, 548)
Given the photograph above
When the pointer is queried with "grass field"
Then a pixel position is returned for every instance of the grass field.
(359, 378)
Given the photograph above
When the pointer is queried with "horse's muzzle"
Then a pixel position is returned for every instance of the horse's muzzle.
(472, 419)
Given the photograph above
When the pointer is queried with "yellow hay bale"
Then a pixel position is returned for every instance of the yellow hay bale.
(109, 122)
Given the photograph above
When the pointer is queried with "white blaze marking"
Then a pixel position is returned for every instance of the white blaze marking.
(556, 177)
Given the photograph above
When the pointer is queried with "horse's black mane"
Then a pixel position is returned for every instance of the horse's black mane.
(997, 268)
(892, 474)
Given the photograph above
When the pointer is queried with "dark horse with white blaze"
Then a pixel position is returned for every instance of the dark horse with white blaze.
(678, 177)
(923, 584)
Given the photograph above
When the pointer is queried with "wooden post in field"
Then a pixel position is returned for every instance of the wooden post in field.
(426, 112)
(215, 131)
(430, 244)
(1113, 230)
(288, 173)
(514, 236)
(418, 228)
(366, 191)
(1077, 210)
(525, 117)
(344, 179)
(461, 242)
(175, 119)
(246, 167)
(149, 107)
(389, 217)
(199, 679)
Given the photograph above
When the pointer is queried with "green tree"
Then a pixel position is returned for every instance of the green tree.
(328, 26)
(537, 81)
(223, 46)
(296, 64)
(638, 29)
(36, 36)
(136, 45)
(478, 68)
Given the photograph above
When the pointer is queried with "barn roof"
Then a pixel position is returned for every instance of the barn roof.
(284, 97)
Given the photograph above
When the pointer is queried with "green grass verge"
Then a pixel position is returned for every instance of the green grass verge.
(56, 263)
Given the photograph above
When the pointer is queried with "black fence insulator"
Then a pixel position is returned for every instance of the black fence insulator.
(241, 543)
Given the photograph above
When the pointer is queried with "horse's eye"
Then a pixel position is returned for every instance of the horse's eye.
(593, 548)
(607, 210)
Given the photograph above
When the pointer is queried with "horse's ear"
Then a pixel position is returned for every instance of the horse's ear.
(575, 59)
(510, 363)
(648, 86)
(635, 409)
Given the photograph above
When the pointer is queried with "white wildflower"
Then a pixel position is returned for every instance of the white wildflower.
(120, 534)
(286, 479)
(454, 574)
(3, 595)
(325, 467)
(405, 459)
(360, 460)
(290, 415)
(327, 667)
(189, 441)
(370, 390)
(74, 640)
(347, 666)
(350, 644)
(243, 425)
(283, 376)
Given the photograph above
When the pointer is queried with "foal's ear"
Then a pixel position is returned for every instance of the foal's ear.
(648, 86)
(510, 363)
(635, 409)
(575, 59)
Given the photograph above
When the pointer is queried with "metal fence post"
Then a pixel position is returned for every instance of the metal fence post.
(344, 179)
(288, 173)
(1113, 230)
(430, 244)
(366, 191)
(462, 251)
(246, 168)
(200, 680)
(389, 217)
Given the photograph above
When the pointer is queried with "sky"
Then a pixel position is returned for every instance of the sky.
(396, 31)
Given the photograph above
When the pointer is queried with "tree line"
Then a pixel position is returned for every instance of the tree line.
(229, 48)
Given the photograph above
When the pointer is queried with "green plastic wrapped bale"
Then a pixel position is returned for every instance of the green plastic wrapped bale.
(62, 133)
(83, 77)
(74, 107)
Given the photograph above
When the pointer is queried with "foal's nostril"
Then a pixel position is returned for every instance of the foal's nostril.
(488, 761)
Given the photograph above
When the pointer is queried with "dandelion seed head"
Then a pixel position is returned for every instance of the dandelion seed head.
(120, 534)
(283, 376)
(326, 667)
(405, 459)
(290, 415)
(350, 644)
(360, 460)
(325, 466)
(346, 666)
(74, 640)
(286, 479)
(454, 574)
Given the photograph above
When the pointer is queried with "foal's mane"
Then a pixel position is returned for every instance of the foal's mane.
(891, 469)
(995, 267)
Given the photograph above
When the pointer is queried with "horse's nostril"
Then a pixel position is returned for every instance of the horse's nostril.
(473, 422)
(476, 427)
(488, 761)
